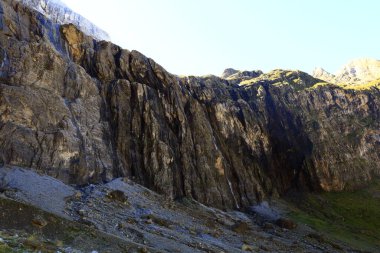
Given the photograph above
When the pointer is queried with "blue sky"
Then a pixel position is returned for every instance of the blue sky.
(206, 36)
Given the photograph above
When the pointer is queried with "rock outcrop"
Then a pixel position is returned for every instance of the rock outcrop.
(238, 77)
(229, 72)
(85, 111)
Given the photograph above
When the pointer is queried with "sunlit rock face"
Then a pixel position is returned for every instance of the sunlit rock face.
(59, 13)
(324, 75)
(87, 111)
(359, 71)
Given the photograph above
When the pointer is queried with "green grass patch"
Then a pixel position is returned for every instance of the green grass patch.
(366, 86)
(59, 232)
(320, 84)
(6, 249)
(247, 82)
(351, 217)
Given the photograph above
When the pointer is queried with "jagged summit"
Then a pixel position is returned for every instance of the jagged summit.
(237, 77)
(228, 72)
(322, 74)
(365, 70)
(231, 73)
(357, 71)
(60, 13)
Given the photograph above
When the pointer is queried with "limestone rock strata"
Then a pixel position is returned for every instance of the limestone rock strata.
(86, 111)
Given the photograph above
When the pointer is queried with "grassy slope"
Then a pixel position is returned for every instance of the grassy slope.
(296, 78)
(351, 217)
(366, 86)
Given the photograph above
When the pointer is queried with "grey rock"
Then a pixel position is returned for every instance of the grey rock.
(59, 13)
(148, 223)
(39, 190)
(87, 111)
(228, 72)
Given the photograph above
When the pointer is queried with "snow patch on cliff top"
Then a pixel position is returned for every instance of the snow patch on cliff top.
(60, 13)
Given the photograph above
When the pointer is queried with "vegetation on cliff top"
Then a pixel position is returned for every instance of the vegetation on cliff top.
(300, 80)
(346, 86)
(297, 79)
(366, 86)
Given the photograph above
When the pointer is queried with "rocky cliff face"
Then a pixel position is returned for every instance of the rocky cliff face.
(83, 110)
(59, 13)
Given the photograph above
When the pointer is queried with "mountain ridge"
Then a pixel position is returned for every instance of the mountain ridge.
(129, 157)
(114, 112)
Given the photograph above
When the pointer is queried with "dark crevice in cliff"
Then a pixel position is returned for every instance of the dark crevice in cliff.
(290, 145)
(109, 116)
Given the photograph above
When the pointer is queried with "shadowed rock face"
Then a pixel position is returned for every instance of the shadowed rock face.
(85, 111)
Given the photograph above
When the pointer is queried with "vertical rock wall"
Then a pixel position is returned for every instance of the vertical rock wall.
(87, 111)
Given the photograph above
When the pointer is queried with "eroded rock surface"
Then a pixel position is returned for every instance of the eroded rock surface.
(86, 111)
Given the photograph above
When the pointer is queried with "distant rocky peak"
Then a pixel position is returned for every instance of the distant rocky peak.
(322, 74)
(365, 70)
(228, 72)
(358, 71)
(238, 76)
(60, 13)
(320, 71)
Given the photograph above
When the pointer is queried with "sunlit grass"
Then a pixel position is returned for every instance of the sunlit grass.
(321, 84)
(366, 86)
